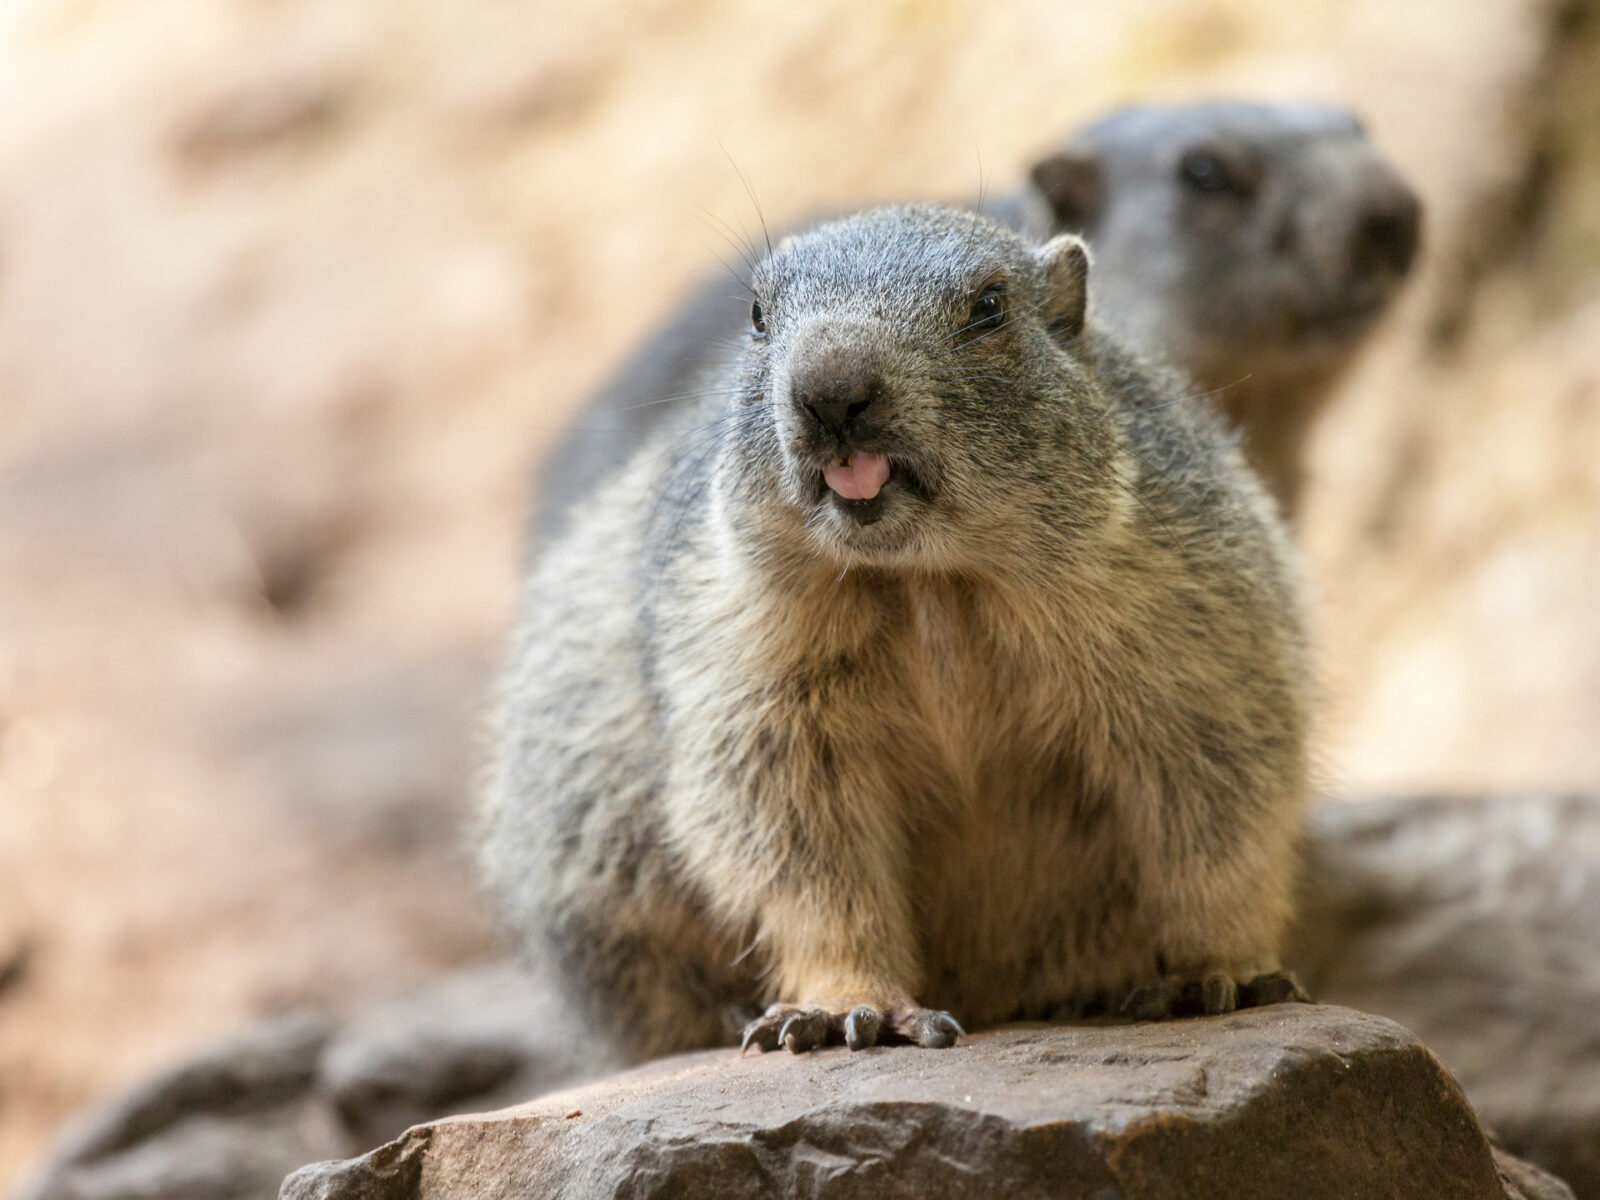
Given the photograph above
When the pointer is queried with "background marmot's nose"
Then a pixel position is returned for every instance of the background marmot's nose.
(1386, 236)
(836, 404)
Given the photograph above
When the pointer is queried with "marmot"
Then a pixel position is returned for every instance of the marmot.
(1254, 246)
(938, 665)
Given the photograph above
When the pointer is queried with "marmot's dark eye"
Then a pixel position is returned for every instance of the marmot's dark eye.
(1203, 171)
(758, 320)
(988, 310)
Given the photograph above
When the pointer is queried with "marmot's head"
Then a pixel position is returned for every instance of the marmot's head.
(1239, 239)
(910, 394)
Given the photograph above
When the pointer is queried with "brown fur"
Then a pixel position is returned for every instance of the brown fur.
(1032, 734)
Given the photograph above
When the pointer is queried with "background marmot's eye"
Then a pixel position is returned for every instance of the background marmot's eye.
(988, 310)
(758, 320)
(1203, 171)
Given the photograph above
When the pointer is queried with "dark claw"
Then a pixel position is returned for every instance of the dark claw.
(861, 1027)
(805, 1030)
(943, 1031)
(1212, 995)
(761, 1033)
(1218, 994)
(1153, 1003)
(1278, 987)
(926, 1027)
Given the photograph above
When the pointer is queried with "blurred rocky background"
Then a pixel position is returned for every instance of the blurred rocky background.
(292, 291)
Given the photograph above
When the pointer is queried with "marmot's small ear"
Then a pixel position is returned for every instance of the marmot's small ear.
(1065, 262)
(1070, 183)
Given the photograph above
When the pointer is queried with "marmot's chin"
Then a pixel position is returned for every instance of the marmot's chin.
(887, 539)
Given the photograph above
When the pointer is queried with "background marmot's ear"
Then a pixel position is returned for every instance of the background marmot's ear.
(1070, 184)
(1065, 261)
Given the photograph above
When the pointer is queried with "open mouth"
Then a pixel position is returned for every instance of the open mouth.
(860, 486)
(859, 477)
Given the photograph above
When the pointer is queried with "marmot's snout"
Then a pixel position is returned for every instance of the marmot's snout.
(1361, 238)
(1386, 236)
(842, 410)
(842, 402)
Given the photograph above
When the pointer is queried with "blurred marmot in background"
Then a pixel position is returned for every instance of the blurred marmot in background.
(1253, 246)
(936, 664)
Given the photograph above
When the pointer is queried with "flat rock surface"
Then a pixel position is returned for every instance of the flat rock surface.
(1289, 1101)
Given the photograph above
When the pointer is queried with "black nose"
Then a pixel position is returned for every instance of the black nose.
(836, 405)
(1386, 237)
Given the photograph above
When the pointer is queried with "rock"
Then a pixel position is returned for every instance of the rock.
(222, 1126)
(1302, 1101)
(477, 1039)
(204, 1158)
(1471, 921)
(273, 1061)
(232, 1122)
(1463, 919)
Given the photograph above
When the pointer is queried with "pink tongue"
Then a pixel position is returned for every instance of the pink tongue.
(859, 479)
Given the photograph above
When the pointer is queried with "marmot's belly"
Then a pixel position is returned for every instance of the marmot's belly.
(1027, 914)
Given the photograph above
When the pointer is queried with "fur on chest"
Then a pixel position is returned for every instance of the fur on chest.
(944, 685)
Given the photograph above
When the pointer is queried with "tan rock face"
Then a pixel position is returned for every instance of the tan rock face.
(1287, 1101)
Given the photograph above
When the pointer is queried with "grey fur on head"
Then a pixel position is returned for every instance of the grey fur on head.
(1254, 245)
(939, 664)
(1259, 273)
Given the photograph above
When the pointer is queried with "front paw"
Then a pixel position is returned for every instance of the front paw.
(1210, 994)
(803, 1029)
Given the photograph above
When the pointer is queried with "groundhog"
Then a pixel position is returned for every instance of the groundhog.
(937, 667)
(1252, 245)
